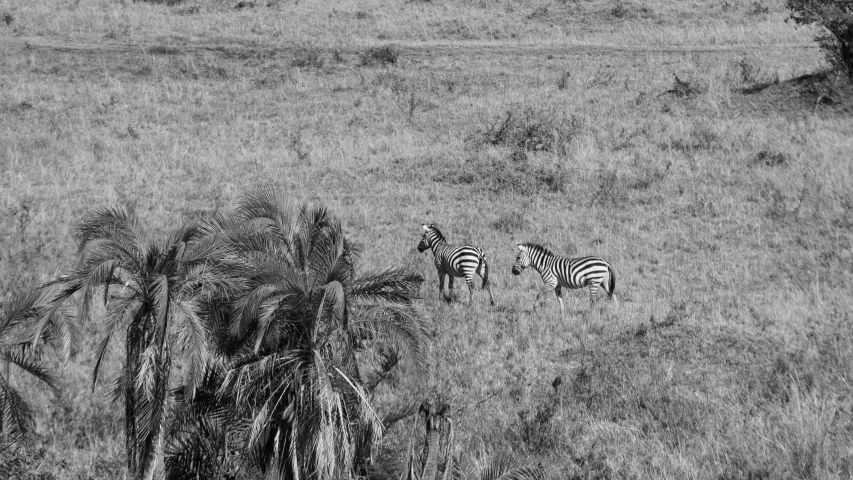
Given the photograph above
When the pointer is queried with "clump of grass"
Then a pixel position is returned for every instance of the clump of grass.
(531, 130)
(620, 10)
(533, 428)
(538, 12)
(682, 88)
(623, 10)
(768, 158)
(758, 8)
(510, 222)
(192, 10)
(18, 462)
(649, 175)
(748, 70)
(701, 137)
(8, 19)
(563, 81)
(163, 50)
(379, 56)
(307, 57)
(610, 192)
(514, 174)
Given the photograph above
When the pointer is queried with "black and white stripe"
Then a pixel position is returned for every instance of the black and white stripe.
(462, 261)
(558, 272)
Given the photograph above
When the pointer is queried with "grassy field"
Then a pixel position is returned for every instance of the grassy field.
(724, 203)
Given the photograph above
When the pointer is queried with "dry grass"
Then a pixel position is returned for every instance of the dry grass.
(728, 355)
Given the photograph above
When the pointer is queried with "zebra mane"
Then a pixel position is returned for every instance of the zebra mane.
(438, 234)
(539, 248)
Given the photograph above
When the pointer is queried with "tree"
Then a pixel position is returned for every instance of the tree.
(299, 339)
(17, 350)
(836, 18)
(154, 288)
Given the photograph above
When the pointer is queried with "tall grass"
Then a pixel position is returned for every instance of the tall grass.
(726, 215)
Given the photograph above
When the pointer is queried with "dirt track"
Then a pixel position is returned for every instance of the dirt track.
(416, 49)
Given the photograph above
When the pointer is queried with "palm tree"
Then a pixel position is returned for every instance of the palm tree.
(16, 349)
(155, 288)
(301, 335)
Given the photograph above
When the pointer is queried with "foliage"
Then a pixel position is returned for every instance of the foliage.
(155, 288)
(836, 18)
(379, 56)
(532, 130)
(298, 338)
(15, 349)
(429, 453)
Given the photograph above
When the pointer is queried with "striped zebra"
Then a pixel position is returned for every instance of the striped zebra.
(462, 261)
(558, 272)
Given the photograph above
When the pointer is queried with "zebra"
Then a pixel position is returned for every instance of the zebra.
(558, 272)
(462, 261)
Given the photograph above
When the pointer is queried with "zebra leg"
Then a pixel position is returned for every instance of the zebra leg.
(441, 284)
(491, 297)
(593, 293)
(469, 280)
(449, 297)
(542, 291)
(559, 292)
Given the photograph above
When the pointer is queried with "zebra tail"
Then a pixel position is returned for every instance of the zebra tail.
(485, 271)
(612, 275)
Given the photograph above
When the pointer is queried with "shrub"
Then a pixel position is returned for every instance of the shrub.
(18, 463)
(620, 10)
(532, 130)
(758, 8)
(836, 18)
(770, 159)
(379, 56)
(563, 81)
(682, 88)
(307, 57)
(610, 191)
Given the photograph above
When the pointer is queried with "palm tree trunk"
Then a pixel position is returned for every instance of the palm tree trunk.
(431, 465)
(8, 381)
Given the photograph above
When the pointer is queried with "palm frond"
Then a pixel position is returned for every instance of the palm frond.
(15, 413)
(191, 338)
(502, 469)
(110, 224)
(19, 308)
(400, 327)
(394, 285)
(26, 361)
(117, 312)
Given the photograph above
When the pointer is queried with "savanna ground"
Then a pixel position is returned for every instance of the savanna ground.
(724, 204)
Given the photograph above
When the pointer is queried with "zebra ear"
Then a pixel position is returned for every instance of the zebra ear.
(520, 246)
(425, 226)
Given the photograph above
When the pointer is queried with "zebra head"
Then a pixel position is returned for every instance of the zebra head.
(522, 261)
(431, 235)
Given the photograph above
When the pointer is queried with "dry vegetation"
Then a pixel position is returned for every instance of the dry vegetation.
(724, 200)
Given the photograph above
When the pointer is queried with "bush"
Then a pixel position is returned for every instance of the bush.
(379, 56)
(532, 130)
(836, 17)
